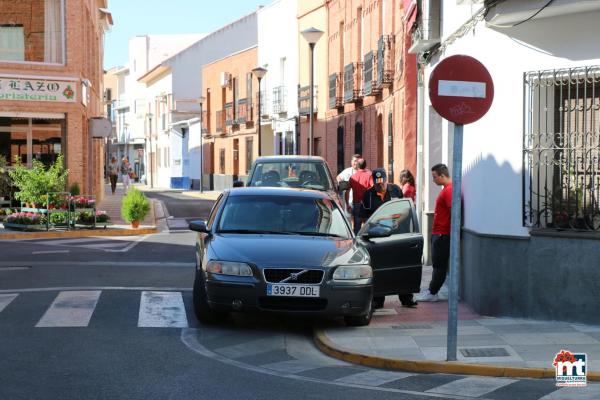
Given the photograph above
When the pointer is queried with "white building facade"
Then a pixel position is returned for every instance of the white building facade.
(531, 170)
(278, 53)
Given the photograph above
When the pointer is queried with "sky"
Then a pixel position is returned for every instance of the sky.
(140, 17)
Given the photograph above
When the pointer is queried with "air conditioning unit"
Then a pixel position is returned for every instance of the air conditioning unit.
(225, 79)
(428, 33)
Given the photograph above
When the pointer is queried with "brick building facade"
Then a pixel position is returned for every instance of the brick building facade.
(51, 84)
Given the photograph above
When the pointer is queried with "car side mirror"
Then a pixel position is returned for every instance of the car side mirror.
(343, 185)
(238, 184)
(377, 231)
(198, 226)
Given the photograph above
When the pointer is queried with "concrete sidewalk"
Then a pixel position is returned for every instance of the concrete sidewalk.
(414, 339)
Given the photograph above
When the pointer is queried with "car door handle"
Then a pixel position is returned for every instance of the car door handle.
(414, 245)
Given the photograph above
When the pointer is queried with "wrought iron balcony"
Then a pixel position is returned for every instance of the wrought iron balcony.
(353, 82)
(304, 100)
(244, 111)
(205, 121)
(335, 90)
(369, 88)
(384, 62)
(279, 100)
(229, 120)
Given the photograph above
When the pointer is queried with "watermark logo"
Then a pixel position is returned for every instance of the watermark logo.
(571, 368)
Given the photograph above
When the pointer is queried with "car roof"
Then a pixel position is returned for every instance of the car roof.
(278, 191)
(290, 158)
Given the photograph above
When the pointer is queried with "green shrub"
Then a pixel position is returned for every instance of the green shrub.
(34, 183)
(135, 206)
(4, 178)
(74, 189)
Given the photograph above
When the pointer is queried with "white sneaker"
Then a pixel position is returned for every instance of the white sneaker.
(443, 293)
(426, 296)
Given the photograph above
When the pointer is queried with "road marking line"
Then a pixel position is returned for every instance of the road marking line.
(130, 246)
(70, 309)
(50, 251)
(374, 377)
(473, 386)
(162, 310)
(12, 268)
(5, 299)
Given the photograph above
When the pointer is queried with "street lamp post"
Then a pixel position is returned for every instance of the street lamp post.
(201, 101)
(259, 72)
(312, 36)
(149, 115)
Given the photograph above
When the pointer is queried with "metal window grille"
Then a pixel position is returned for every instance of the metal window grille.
(561, 149)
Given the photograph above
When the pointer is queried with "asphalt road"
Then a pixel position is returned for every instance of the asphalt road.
(80, 322)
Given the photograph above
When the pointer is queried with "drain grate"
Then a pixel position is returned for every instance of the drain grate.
(412, 326)
(485, 352)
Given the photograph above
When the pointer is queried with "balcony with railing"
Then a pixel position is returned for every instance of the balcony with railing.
(279, 100)
(220, 128)
(304, 100)
(369, 88)
(336, 90)
(229, 120)
(264, 101)
(244, 112)
(384, 62)
(353, 82)
(205, 122)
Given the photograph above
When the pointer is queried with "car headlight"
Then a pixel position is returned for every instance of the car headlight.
(229, 268)
(352, 272)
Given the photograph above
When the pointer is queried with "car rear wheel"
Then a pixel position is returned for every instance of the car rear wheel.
(202, 309)
(360, 320)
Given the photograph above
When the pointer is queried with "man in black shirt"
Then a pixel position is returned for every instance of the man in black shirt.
(382, 192)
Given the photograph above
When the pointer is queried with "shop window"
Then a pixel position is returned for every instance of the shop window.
(32, 31)
(27, 139)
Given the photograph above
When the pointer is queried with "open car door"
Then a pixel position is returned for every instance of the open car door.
(395, 244)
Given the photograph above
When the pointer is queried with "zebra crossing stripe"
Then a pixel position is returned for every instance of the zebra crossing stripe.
(70, 309)
(5, 299)
(162, 310)
(473, 386)
(373, 377)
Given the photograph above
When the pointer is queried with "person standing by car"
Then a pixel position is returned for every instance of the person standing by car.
(345, 175)
(440, 233)
(113, 173)
(360, 181)
(125, 171)
(407, 182)
(382, 192)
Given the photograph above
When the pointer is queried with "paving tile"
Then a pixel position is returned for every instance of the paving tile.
(531, 328)
(403, 354)
(463, 340)
(422, 382)
(332, 373)
(386, 342)
(269, 357)
(590, 392)
(541, 338)
(290, 366)
(373, 377)
(523, 389)
(547, 352)
(472, 386)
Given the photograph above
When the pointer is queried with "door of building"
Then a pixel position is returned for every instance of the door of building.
(236, 158)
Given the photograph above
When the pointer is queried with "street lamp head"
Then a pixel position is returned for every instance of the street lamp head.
(259, 72)
(149, 115)
(312, 35)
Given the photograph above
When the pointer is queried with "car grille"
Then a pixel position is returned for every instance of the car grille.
(292, 303)
(276, 275)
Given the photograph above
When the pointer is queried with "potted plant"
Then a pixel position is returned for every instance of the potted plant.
(135, 207)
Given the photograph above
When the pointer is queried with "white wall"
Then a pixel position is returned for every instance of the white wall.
(492, 153)
(277, 39)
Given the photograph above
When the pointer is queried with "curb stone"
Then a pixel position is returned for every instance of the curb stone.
(327, 346)
(80, 233)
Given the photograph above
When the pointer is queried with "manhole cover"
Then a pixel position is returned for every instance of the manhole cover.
(412, 326)
(485, 352)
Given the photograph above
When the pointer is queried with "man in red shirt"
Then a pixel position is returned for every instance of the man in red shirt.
(440, 233)
(359, 182)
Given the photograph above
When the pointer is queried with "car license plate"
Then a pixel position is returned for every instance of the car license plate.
(284, 289)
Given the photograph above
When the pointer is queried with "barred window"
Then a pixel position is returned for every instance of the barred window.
(561, 149)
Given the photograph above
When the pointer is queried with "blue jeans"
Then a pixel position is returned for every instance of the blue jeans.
(356, 219)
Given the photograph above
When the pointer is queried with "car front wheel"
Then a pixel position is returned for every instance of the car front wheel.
(202, 309)
(360, 320)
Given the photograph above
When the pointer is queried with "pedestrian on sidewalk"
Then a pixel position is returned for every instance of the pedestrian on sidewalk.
(125, 173)
(382, 192)
(359, 182)
(344, 176)
(113, 173)
(440, 233)
(407, 182)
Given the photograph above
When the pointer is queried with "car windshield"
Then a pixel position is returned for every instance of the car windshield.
(302, 174)
(283, 215)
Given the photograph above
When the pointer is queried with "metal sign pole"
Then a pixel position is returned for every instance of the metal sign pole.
(455, 243)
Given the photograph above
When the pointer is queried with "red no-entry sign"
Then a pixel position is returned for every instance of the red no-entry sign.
(461, 89)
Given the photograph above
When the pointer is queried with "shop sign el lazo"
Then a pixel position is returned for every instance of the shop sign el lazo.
(37, 90)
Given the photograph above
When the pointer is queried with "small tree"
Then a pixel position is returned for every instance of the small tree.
(4, 178)
(36, 182)
(135, 206)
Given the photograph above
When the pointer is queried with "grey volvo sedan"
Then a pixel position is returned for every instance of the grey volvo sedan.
(293, 251)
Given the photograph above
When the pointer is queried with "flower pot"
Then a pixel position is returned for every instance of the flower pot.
(135, 224)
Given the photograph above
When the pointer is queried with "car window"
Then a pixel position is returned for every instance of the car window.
(308, 175)
(213, 212)
(397, 215)
(283, 214)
